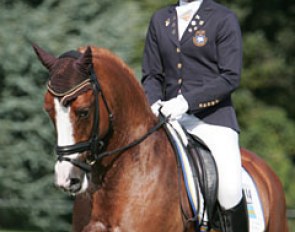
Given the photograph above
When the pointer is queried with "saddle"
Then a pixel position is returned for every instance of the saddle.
(203, 165)
(203, 168)
(198, 164)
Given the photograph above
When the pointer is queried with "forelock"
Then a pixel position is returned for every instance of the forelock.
(66, 74)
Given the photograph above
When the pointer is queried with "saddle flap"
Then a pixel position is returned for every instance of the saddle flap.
(207, 171)
(198, 166)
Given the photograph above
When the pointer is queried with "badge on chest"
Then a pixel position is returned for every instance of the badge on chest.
(200, 38)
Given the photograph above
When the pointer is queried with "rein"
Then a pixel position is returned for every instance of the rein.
(134, 143)
(95, 145)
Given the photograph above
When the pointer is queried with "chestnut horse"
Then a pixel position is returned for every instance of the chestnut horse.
(114, 155)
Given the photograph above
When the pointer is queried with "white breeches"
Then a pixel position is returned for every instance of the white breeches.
(224, 145)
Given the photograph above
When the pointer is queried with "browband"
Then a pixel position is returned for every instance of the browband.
(74, 89)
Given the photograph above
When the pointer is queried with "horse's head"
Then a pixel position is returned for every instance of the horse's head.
(72, 102)
(81, 106)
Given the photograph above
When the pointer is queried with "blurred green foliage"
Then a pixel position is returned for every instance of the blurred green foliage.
(265, 101)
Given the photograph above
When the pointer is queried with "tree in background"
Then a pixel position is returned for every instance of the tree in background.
(264, 102)
(27, 196)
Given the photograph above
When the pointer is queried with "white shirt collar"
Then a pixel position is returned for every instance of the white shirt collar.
(185, 13)
(184, 2)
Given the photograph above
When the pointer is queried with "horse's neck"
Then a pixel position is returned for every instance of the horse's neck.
(130, 125)
(132, 115)
(141, 174)
(141, 171)
(133, 119)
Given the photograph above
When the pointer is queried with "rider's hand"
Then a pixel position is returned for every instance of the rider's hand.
(175, 107)
(155, 107)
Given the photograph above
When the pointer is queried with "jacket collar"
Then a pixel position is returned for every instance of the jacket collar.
(200, 18)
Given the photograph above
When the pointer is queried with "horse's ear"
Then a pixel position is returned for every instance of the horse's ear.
(86, 58)
(46, 59)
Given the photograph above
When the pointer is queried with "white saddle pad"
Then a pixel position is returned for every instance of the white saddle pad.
(254, 205)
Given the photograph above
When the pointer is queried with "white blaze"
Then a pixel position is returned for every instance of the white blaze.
(65, 137)
(64, 170)
(63, 124)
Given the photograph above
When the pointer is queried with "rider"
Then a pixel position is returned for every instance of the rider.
(192, 64)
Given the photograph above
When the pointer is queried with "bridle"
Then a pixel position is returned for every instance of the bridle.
(95, 145)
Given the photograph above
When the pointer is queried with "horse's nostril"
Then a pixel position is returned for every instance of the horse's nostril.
(74, 181)
(75, 185)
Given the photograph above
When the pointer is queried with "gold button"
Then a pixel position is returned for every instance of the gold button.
(178, 50)
(217, 101)
(179, 65)
(201, 105)
(212, 103)
(209, 103)
(205, 105)
(179, 81)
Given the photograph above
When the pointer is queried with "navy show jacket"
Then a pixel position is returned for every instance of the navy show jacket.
(204, 66)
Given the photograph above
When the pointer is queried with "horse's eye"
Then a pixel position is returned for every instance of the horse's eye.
(83, 113)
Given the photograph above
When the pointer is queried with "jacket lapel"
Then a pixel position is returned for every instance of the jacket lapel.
(198, 21)
(171, 26)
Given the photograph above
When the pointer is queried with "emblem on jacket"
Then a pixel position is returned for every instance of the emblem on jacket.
(167, 22)
(200, 38)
